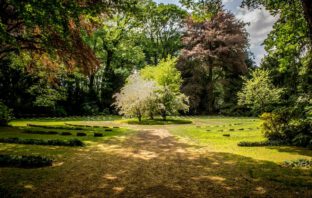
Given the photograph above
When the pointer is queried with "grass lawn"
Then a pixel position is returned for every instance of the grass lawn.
(172, 159)
(208, 132)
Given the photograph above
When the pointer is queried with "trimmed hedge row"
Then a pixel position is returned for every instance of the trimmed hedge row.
(40, 132)
(87, 126)
(62, 133)
(298, 163)
(56, 127)
(263, 143)
(72, 142)
(24, 161)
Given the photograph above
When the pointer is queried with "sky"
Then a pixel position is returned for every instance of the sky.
(260, 21)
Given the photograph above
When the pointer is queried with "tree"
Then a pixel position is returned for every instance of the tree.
(5, 114)
(134, 96)
(161, 31)
(214, 49)
(169, 98)
(289, 50)
(116, 48)
(259, 92)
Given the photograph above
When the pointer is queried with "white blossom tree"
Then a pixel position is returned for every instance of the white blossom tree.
(135, 96)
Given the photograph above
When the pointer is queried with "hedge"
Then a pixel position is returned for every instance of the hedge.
(24, 161)
(72, 142)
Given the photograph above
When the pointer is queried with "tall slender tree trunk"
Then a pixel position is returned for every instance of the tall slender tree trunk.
(210, 91)
(91, 84)
(307, 8)
(164, 115)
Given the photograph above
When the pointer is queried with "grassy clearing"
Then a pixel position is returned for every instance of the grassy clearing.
(198, 161)
(208, 132)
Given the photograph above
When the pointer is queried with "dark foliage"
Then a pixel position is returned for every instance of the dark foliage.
(98, 134)
(298, 163)
(72, 142)
(66, 133)
(56, 127)
(81, 134)
(40, 132)
(288, 125)
(24, 161)
(264, 143)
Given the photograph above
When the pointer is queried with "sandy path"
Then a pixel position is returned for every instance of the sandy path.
(152, 163)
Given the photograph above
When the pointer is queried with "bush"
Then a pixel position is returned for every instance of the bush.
(303, 133)
(283, 126)
(263, 143)
(98, 135)
(60, 111)
(66, 133)
(108, 129)
(73, 142)
(40, 132)
(90, 109)
(56, 127)
(24, 161)
(5, 115)
(81, 134)
(298, 163)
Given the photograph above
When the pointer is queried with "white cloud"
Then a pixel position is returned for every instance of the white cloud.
(227, 1)
(261, 23)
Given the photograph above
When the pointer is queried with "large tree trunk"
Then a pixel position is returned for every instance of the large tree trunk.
(307, 8)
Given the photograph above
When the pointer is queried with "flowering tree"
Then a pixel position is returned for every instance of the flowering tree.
(134, 97)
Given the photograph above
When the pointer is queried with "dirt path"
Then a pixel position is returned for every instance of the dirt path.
(152, 163)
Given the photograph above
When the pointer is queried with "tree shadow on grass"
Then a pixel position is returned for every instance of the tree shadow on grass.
(293, 149)
(155, 164)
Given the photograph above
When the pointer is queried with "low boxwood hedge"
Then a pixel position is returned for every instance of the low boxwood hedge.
(298, 163)
(56, 127)
(98, 134)
(24, 161)
(86, 126)
(15, 140)
(40, 132)
(66, 133)
(81, 134)
(263, 143)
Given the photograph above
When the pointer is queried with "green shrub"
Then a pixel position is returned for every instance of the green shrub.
(24, 161)
(108, 129)
(56, 127)
(282, 126)
(226, 135)
(73, 142)
(98, 135)
(5, 115)
(303, 133)
(40, 132)
(81, 134)
(66, 133)
(298, 163)
(263, 143)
